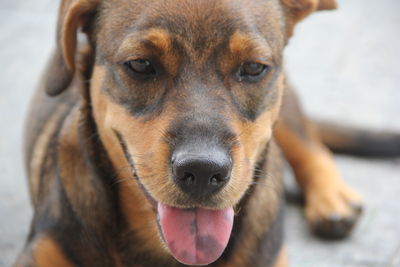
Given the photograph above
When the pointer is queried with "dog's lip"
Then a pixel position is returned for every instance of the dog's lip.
(147, 194)
(129, 159)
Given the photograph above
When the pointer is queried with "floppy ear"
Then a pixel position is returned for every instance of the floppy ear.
(60, 70)
(296, 10)
(327, 5)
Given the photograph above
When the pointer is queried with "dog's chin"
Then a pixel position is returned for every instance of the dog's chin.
(194, 234)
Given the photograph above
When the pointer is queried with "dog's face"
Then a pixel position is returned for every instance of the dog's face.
(191, 89)
(185, 95)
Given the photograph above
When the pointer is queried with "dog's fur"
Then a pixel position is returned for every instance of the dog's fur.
(99, 142)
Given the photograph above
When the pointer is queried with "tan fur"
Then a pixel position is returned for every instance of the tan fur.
(243, 46)
(47, 253)
(39, 150)
(282, 259)
(79, 191)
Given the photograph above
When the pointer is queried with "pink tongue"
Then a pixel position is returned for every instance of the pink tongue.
(195, 236)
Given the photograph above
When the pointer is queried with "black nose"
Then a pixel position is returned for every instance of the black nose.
(201, 175)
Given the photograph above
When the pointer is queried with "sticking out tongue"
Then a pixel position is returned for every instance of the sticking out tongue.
(195, 236)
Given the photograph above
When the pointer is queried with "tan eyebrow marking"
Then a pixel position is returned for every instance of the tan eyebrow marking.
(154, 38)
(241, 43)
(159, 38)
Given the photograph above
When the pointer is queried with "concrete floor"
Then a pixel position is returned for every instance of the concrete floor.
(346, 67)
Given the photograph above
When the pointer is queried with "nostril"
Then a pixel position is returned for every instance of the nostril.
(187, 178)
(216, 180)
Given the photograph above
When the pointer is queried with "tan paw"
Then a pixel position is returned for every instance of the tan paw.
(333, 210)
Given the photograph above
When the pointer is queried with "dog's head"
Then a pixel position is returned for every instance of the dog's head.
(185, 93)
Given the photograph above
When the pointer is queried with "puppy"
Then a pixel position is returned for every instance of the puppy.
(150, 141)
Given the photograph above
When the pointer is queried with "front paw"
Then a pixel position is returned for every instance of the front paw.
(333, 211)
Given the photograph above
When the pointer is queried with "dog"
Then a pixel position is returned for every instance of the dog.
(154, 137)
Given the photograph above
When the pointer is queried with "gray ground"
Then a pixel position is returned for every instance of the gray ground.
(346, 67)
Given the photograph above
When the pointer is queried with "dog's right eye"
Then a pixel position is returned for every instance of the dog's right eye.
(141, 68)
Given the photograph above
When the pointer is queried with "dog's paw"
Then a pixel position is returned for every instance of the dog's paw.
(333, 212)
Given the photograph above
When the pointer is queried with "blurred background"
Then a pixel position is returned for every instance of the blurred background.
(345, 65)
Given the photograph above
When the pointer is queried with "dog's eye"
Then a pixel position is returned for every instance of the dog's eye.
(141, 68)
(252, 71)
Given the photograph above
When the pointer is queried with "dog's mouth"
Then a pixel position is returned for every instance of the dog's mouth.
(194, 236)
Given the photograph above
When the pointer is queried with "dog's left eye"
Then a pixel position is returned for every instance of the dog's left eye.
(252, 71)
(141, 68)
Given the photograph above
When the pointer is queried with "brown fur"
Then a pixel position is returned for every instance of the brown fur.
(101, 161)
